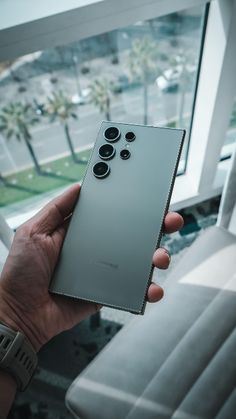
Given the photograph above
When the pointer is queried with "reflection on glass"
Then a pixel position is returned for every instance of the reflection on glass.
(230, 135)
(52, 101)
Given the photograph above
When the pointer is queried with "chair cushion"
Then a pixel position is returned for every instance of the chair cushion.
(178, 359)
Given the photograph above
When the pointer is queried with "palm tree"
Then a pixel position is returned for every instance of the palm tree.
(16, 119)
(60, 107)
(143, 66)
(184, 63)
(100, 96)
(2, 180)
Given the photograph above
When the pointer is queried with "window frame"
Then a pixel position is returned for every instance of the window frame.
(34, 26)
(205, 175)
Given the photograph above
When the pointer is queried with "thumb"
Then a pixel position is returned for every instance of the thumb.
(54, 213)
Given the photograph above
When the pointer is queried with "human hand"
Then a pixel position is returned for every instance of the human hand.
(25, 303)
(161, 259)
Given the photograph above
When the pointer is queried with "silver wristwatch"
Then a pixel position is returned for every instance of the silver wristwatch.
(17, 356)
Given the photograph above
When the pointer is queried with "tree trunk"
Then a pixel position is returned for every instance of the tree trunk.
(32, 153)
(3, 180)
(152, 28)
(108, 116)
(70, 144)
(183, 87)
(145, 102)
(76, 72)
(181, 106)
(181, 110)
(108, 110)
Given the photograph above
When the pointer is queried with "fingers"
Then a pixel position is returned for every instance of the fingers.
(60, 232)
(161, 258)
(54, 213)
(173, 222)
(155, 293)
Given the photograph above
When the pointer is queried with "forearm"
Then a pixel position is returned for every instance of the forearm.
(8, 385)
(7, 393)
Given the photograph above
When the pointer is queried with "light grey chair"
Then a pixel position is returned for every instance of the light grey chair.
(179, 359)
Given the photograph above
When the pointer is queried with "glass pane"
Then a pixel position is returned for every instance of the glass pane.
(230, 135)
(52, 101)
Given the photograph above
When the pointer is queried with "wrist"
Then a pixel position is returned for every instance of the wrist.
(11, 317)
(9, 381)
(8, 388)
(17, 356)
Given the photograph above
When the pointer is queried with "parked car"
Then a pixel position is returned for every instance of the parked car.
(170, 79)
(81, 99)
(124, 83)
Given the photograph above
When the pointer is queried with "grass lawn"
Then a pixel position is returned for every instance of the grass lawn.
(27, 183)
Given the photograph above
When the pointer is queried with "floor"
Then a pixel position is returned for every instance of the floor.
(69, 353)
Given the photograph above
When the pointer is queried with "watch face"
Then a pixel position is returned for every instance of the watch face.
(15, 346)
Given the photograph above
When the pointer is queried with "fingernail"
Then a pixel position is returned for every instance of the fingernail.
(167, 253)
(165, 250)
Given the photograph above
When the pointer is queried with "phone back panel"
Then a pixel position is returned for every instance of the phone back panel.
(117, 222)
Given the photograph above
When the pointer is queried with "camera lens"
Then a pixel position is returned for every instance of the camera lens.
(106, 151)
(130, 136)
(112, 134)
(125, 154)
(101, 169)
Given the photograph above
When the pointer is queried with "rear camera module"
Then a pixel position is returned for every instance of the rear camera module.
(101, 169)
(130, 136)
(106, 151)
(112, 134)
(125, 154)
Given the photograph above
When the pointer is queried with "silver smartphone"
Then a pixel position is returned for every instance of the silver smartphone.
(117, 222)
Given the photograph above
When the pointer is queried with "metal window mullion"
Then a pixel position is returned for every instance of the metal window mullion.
(215, 96)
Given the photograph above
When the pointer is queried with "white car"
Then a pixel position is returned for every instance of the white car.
(169, 80)
(81, 99)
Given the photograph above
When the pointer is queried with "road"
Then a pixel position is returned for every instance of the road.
(49, 140)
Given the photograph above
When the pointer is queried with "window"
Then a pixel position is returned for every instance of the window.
(230, 135)
(143, 73)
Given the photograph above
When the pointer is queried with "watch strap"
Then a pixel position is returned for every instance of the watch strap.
(17, 356)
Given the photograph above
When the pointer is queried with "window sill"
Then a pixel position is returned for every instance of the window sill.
(184, 195)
